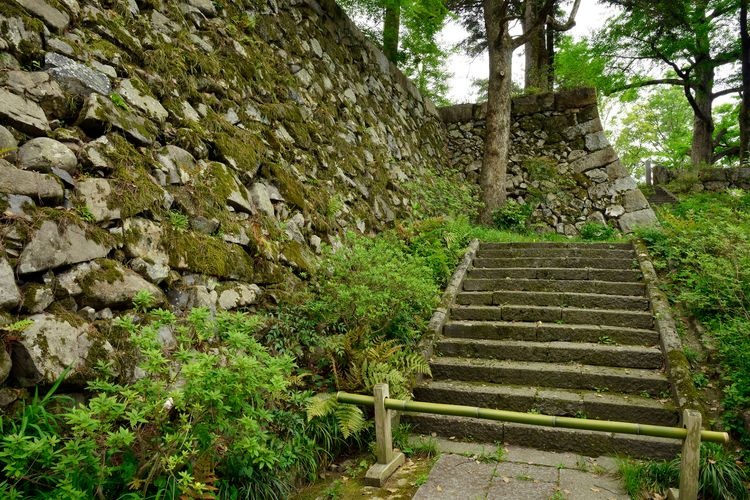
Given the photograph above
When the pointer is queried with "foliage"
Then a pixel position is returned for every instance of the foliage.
(720, 476)
(373, 286)
(443, 194)
(512, 216)
(657, 128)
(595, 231)
(179, 221)
(216, 415)
(577, 65)
(703, 253)
(420, 56)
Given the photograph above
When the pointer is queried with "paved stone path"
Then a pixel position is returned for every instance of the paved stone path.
(465, 472)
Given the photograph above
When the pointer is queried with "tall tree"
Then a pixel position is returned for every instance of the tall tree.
(691, 38)
(539, 49)
(488, 23)
(745, 66)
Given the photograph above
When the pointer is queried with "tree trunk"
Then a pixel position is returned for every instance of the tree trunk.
(745, 107)
(701, 101)
(550, 32)
(391, 27)
(536, 75)
(497, 139)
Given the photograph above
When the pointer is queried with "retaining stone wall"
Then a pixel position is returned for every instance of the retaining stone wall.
(560, 161)
(200, 150)
(709, 179)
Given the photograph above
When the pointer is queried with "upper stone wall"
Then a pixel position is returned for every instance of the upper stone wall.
(560, 160)
(707, 179)
(201, 150)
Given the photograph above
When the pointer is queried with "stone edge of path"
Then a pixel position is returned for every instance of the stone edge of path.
(678, 368)
(440, 316)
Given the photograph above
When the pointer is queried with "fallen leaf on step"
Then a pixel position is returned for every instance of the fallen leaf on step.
(439, 488)
(506, 479)
(452, 437)
(595, 490)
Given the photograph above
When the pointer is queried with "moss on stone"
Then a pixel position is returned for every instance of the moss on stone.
(133, 189)
(207, 255)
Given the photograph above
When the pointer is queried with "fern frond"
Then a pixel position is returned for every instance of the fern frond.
(350, 419)
(320, 405)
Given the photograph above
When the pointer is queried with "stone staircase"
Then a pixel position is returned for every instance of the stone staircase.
(558, 329)
(661, 196)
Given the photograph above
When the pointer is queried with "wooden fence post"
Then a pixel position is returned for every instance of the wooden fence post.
(388, 459)
(691, 455)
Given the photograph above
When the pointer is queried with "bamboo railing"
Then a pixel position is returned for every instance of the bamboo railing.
(389, 460)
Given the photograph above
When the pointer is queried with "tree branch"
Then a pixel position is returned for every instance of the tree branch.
(540, 18)
(567, 24)
(726, 92)
(647, 83)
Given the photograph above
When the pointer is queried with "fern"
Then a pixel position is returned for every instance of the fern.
(349, 419)
(320, 405)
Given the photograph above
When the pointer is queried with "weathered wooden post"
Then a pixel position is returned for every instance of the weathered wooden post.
(388, 459)
(691, 455)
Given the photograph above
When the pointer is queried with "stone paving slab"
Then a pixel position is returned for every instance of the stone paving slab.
(464, 472)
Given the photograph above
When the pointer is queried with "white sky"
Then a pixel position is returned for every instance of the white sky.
(464, 69)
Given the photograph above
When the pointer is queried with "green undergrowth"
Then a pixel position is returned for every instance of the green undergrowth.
(702, 253)
(229, 410)
(720, 476)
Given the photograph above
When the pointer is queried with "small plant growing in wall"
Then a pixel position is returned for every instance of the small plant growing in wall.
(179, 221)
(512, 216)
(597, 232)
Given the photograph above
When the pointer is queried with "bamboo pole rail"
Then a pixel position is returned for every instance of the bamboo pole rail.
(532, 419)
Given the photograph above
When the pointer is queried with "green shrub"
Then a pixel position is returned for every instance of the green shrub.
(216, 415)
(512, 216)
(594, 231)
(703, 254)
(374, 286)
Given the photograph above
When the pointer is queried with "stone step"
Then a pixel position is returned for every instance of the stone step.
(550, 401)
(552, 314)
(565, 286)
(554, 352)
(546, 245)
(587, 300)
(570, 262)
(544, 252)
(565, 376)
(557, 273)
(549, 332)
(590, 443)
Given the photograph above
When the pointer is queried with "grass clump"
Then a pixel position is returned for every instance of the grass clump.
(720, 477)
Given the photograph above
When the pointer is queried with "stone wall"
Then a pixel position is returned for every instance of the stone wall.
(200, 150)
(560, 161)
(709, 179)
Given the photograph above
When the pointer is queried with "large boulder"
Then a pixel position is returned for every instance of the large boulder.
(24, 114)
(43, 154)
(96, 196)
(8, 144)
(100, 114)
(56, 245)
(39, 87)
(51, 345)
(54, 18)
(629, 221)
(144, 103)
(9, 294)
(106, 283)
(75, 77)
(39, 186)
